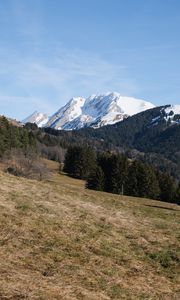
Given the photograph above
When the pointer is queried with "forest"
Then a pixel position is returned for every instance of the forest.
(104, 167)
(115, 173)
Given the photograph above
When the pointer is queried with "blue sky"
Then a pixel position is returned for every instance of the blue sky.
(52, 50)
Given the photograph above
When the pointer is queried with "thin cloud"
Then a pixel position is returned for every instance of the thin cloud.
(67, 74)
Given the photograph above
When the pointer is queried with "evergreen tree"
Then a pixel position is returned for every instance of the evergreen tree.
(5, 135)
(95, 180)
(118, 175)
(132, 185)
(103, 160)
(115, 171)
(25, 140)
(142, 181)
(114, 174)
(167, 187)
(14, 137)
(79, 161)
(177, 198)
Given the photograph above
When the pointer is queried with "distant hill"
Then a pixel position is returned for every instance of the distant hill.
(146, 131)
(152, 135)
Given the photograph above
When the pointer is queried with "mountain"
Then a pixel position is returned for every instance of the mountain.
(66, 115)
(152, 135)
(38, 118)
(96, 111)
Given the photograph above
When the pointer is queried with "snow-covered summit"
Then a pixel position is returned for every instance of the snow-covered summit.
(67, 113)
(38, 118)
(96, 111)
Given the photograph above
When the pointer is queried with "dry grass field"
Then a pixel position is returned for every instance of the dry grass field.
(59, 240)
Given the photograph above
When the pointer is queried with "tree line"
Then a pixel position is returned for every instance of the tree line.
(14, 137)
(19, 152)
(105, 171)
(115, 173)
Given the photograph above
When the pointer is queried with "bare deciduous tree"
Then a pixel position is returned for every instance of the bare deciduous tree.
(27, 165)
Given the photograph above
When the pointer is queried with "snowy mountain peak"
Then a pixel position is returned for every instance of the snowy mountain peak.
(67, 113)
(38, 118)
(96, 111)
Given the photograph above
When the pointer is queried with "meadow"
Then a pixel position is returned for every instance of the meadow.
(59, 240)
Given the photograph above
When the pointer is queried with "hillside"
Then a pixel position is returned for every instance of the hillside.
(141, 131)
(61, 241)
(154, 134)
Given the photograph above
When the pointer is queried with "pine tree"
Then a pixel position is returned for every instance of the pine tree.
(115, 171)
(167, 187)
(132, 185)
(79, 161)
(177, 198)
(24, 140)
(95, 180)
(118, 173)
(142, 181)
(104, 161)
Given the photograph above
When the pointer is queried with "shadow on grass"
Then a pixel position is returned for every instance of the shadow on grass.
(162, 207)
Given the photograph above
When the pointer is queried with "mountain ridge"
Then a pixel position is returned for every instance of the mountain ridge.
(95, 111)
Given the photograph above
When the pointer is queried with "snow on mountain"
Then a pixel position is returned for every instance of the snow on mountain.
(169, 113)
(66, 114)
(37, 118)
(96, 111)
(172, 111)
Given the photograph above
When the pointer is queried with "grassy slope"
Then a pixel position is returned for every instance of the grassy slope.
(60, 241)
